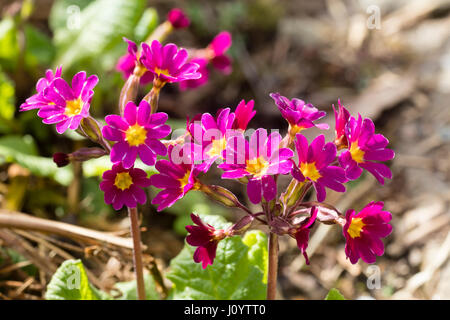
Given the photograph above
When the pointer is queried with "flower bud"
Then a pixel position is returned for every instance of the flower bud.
(61, 159)
(84, 154)
(178, 18)
(242, 225)
(220, 194)
(92, 130)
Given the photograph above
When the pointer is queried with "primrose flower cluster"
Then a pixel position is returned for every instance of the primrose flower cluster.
(254, 158)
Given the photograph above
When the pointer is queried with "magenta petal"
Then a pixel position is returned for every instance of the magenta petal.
(130, 113)
(147, 155)
(112, 134)
(118, 151)
(78, 83)
(64, 89)
(254, 190)
(143, 113)
(269, 188)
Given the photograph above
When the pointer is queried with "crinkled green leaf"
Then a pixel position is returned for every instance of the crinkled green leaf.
(70, 282)
(257, 254)
(235, 275)
(129, 290)
(334, 294)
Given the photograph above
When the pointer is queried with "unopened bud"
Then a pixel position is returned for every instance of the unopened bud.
(61, 159)
(220, 194)
(91, 128)
(242, 225)
(178, 18)
(84, 154)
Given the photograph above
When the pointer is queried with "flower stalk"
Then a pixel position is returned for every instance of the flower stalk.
(273, 267)
(137, 252)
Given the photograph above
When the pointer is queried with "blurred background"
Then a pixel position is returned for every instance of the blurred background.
(388, 60)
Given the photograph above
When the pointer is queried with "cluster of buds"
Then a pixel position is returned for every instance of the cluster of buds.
(254, 158)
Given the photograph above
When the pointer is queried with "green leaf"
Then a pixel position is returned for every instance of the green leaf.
(93, 29)
(146, 25)
(129, 290)
(7, 97)
(16, 257)
(22, 150)
(9, 48)
(257, 254)
(235, 275)
(70, 282)
(39, 47)
(334, 294)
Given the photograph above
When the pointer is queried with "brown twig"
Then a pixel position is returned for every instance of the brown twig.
(17, 220)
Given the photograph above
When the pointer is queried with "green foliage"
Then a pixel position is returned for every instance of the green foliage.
(7, 100)
(9, 48)
(334, 294)
(70, 282)
(237, 272)
(16, 257)
(39, 47)
(23, 150)
(148, 22)
(89, 30)
(129, 290)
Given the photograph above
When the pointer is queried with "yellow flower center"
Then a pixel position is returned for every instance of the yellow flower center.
(185, 180)
(356, 153)
(217, 147)
(136, 135)
(354, 230)
(159, 71)
(73, 107)
(293, 130)
(123, 180)
(309, 170)
(257, 167)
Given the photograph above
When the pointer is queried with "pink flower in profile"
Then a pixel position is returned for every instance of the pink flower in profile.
(258, 160)
(204, 72)
(177, 176)
(244, 113)
(212, 134)
(363, 231)
(127, 63)
(301, 232)
(167, 63)
(341, 119)
(214, 53)
(365, 147)
(299, 115)
(124, 186)
(66, 105)
(137, 133)
(217, 48)
(39, 100)
(206, 238)
(178, 19)
(315, 165)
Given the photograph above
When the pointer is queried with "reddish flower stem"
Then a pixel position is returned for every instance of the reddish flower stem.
(273, 267)
(137, 252)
